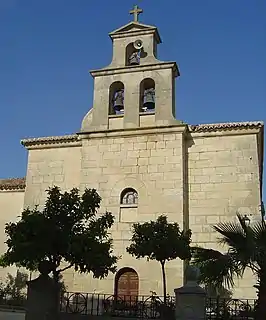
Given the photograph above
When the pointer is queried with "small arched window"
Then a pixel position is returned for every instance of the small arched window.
(147, 95)
(116, 98)
(129, 196)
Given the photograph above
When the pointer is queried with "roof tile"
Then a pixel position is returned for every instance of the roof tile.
(13, 184)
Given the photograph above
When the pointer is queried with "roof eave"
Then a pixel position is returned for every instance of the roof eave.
(117, 34)
(42, 141)
(13, 184)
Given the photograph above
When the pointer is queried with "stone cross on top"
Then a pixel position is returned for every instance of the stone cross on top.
(136, 11)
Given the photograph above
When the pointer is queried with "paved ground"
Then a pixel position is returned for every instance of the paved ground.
(12, 316)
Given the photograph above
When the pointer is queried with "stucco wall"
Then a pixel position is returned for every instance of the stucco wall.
(11, 206)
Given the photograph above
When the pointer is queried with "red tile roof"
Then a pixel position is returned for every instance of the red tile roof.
(13, 184)
(225, 126)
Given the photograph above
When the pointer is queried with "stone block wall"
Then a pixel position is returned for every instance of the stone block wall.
(197, 179)
(151, 163)
(223, 177)
(54, 165)
(51, 166)
(164, 88)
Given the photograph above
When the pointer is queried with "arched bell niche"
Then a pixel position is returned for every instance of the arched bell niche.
(116, 98)
(147, 95)
(129, 52)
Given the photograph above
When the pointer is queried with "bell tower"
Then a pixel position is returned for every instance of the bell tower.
(136, 89)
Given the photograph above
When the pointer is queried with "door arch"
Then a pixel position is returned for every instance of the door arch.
(127, 284)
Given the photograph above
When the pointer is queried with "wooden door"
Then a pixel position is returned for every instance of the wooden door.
(128, 285)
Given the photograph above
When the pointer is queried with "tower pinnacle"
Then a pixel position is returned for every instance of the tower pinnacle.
(136, 11)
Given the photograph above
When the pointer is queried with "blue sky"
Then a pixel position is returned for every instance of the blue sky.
(47, 48)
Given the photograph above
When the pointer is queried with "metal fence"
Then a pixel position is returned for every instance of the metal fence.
(143, 307)
(230, 309)
(12, 303)
(150, 307)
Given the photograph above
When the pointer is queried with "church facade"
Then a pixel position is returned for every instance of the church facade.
(144, 163)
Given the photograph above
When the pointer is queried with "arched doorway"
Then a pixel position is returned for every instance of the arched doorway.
(127, 284)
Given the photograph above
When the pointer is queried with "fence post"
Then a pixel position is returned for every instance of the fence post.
(190, 299)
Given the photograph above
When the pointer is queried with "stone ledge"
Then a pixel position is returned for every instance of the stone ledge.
(144, 67)
(131, 132)
(195, 130)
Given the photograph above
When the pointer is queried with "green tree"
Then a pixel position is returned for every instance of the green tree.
(246, 248)
(161, 241)
(68, 231)
(213, 291)
(15, 286)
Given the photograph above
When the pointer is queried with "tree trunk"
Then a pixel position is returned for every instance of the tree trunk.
(261, 303)
(164, 281)
(56, 276)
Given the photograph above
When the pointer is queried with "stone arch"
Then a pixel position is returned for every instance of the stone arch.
(126, 284)
(130, 182)
(115, 88)
(129, 51)
(146, 84)
(129, 196)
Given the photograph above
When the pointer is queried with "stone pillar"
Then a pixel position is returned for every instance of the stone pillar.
(42, 299)
(190, 299)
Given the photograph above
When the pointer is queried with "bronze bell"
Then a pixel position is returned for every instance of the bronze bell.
(134, 59)
(119, 101)
(149, 99)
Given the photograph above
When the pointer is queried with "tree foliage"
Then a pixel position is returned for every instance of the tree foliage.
(217, 292)
(161, 241)
(14, 288)
(246, 248)
(67, 231)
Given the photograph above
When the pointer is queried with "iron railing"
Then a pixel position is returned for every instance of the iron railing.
(12, 303)
(150, 307)
(230, 309)
(143, 307)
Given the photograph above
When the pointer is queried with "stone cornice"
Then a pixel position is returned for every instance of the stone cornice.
(129, 132)
(231, 128)
(134, 28)
(133, 33)
(12, 184)
(144, 67)
(61, 141)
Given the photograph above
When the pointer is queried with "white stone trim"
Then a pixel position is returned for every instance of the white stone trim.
(144, 67)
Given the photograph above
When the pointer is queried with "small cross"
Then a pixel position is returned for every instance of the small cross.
(136, 11)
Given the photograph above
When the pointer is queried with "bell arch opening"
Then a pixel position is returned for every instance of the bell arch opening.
(147, 95)
(126, 286)
(131, 55)
(116, 98)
